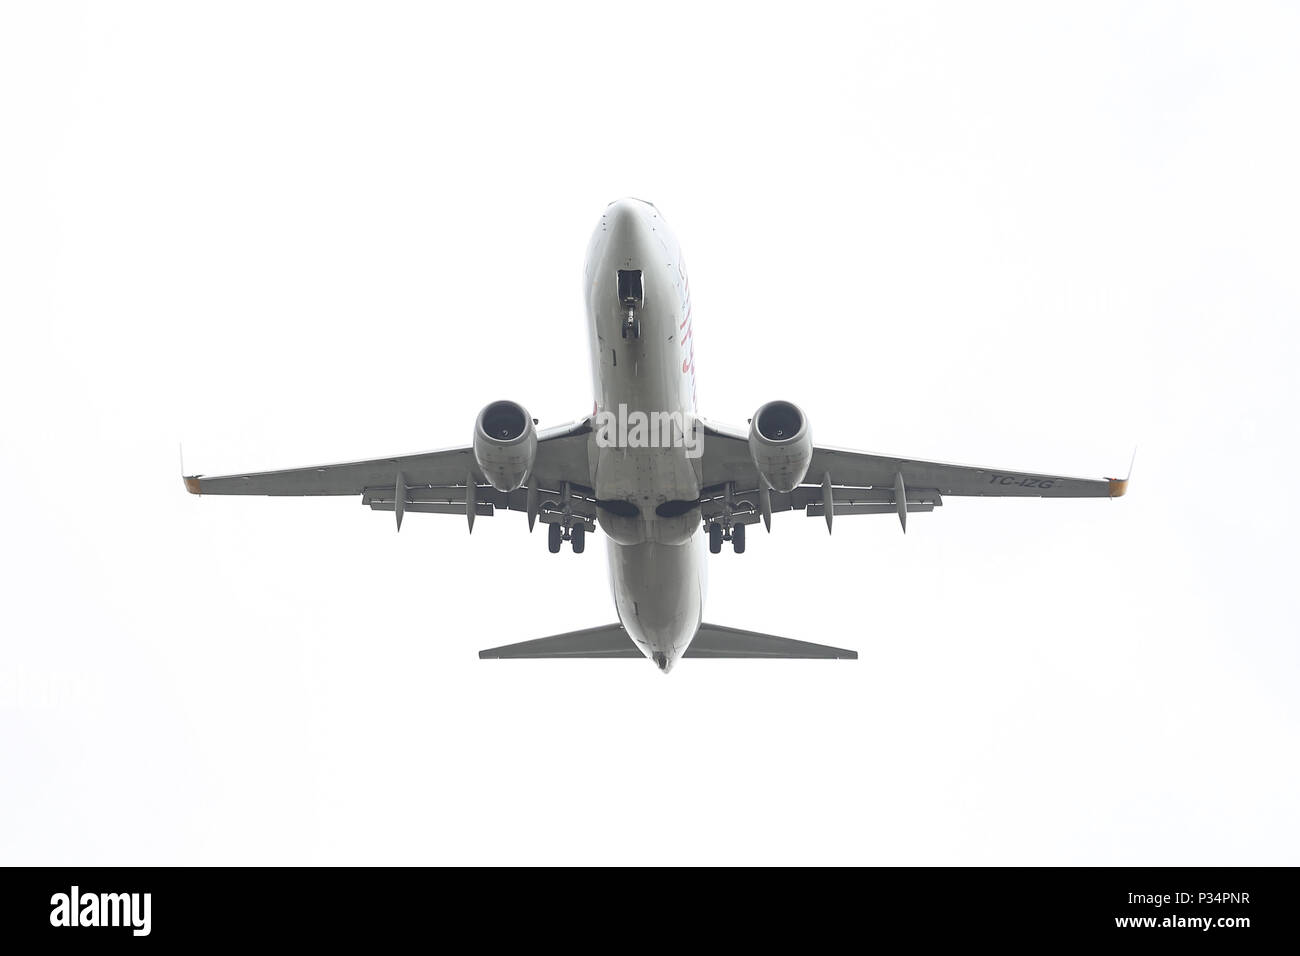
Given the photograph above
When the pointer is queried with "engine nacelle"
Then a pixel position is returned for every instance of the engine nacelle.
(505, 444)
(780, 444)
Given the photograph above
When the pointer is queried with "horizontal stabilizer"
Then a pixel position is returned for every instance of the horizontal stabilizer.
(712, 640)
(608, 641)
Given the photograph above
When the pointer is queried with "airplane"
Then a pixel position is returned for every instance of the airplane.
(658, 480)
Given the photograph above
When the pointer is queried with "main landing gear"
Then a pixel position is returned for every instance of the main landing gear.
(718, 534)
(727, 529)
(556, 535)
(567, 527)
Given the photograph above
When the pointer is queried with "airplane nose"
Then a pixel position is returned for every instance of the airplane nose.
(621, 217)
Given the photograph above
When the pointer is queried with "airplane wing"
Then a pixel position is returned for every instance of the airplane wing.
(856, 482)
(438, 482)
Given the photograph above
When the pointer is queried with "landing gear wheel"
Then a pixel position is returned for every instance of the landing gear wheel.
(554, 538)
(738, 539)
(715, 538)
(578, 538)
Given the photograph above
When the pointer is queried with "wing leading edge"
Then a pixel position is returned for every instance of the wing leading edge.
(448, 481)
(856, 482)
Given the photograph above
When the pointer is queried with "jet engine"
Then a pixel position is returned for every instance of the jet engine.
(780, 444)
(505, 444)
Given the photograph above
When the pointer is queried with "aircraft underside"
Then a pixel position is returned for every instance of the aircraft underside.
(660, 482)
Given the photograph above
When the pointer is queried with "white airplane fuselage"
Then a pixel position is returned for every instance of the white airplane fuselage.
(656, 545)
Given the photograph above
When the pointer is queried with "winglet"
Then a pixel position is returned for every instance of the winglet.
(1120, 485)
(192, 485)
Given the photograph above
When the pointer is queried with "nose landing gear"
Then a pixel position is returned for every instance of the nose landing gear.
(631, 299)
(631, 324)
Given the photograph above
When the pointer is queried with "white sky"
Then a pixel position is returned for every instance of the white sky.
(295, 233)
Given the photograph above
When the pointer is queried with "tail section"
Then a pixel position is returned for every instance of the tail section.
(712, 640)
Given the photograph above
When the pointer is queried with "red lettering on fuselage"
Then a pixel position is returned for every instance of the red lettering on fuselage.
(686, 328)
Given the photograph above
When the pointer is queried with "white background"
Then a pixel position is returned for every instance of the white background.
(288, 234)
